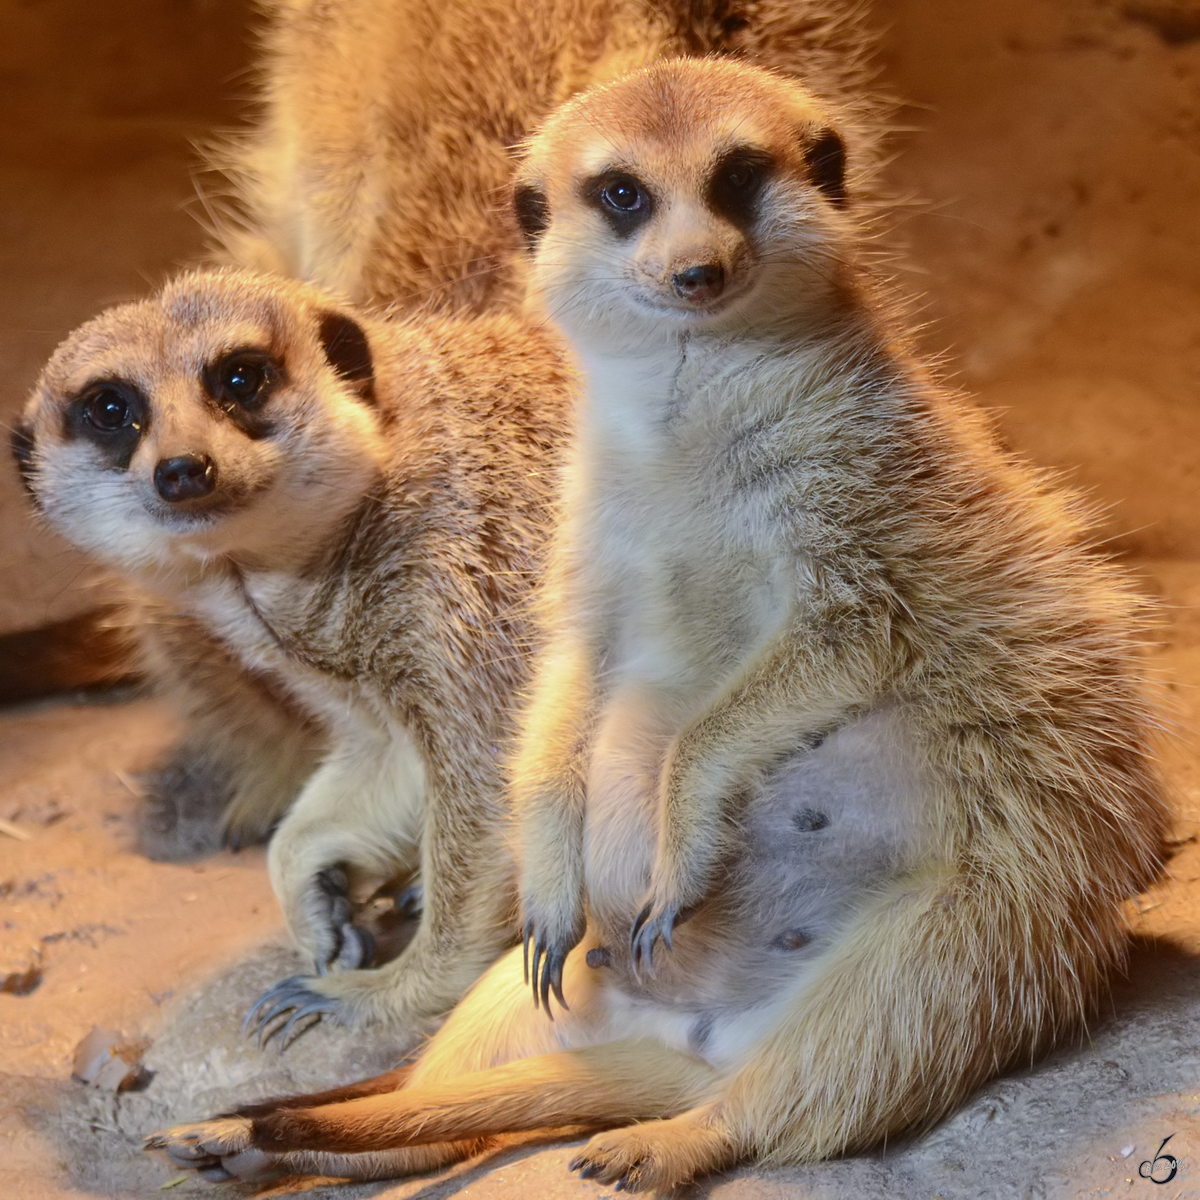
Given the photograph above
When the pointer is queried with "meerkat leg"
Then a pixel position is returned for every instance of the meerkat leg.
(387, 1082)
(605, 1085)
(474, 1080)
(548, 786)
(466, 918)
(801, 684)
(357, 818)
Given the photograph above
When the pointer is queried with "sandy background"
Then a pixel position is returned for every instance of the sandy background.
(1055, 168)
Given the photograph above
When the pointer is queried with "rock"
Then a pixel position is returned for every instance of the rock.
(107, 1061)
(21, 974)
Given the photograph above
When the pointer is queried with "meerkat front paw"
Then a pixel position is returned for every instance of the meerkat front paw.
(548, 940)
(656, 922)
(297, 999)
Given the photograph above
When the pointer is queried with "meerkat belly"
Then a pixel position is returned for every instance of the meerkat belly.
(687, 609)
(835, 822)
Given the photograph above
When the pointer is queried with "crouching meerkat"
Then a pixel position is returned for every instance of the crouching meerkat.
(352, 509)
(836, 770)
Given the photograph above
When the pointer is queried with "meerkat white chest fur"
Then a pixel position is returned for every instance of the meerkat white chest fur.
(691, 566)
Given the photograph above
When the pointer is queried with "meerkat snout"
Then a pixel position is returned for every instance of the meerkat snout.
(699, 284)
(185, 477)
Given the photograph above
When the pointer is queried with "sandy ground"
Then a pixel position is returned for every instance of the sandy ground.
(175, 954)
(1058, 155)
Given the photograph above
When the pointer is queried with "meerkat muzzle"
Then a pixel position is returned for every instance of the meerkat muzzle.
(699, 284)
(185, 477)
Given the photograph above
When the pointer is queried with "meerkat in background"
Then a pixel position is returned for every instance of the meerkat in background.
(824, 672)
(353, 508)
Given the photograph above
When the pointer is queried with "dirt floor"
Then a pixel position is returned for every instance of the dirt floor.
(1056, 158)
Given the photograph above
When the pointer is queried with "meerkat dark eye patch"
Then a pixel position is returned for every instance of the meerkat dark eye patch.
(112, 414)
(621, 199)
(825, 157)
(240, 383)
(736, 184)
(348, 352)
(22, 443)
(532, 211)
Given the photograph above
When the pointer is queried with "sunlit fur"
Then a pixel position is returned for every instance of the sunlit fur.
(369, 557)
(785, 554)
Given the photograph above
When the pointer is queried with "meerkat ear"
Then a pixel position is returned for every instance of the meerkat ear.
(348, 351)
(532, 210)
(825, 157)
(22, 450)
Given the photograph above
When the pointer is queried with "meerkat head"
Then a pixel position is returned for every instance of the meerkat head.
(682, 196)
(231, 414)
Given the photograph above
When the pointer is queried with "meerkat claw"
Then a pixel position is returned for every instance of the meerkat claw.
(345, 946)
(552, 972)
(650, 929)
(291, 995)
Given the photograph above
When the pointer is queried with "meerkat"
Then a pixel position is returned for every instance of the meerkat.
(353, 510)
(837, 766)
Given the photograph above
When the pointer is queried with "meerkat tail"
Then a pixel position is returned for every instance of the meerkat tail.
(383, 1164)
(390, 1081)
(91, 652)
(598, 1086)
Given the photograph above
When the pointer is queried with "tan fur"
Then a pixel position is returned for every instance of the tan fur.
(367, 553)
(246, 750)
(799, 599)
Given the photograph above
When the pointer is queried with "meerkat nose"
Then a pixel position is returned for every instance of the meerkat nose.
(187, 477)
(706, 281)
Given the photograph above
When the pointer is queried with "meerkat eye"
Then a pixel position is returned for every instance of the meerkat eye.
(623, 201)
(737, 182)
(739, 176)
(623, 194)
(242, 380)
(107, 410)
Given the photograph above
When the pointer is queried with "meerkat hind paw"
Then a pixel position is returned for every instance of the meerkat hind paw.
(204, 1142)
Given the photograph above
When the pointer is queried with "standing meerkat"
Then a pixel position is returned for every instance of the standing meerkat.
(352, 509)
(836, 771)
